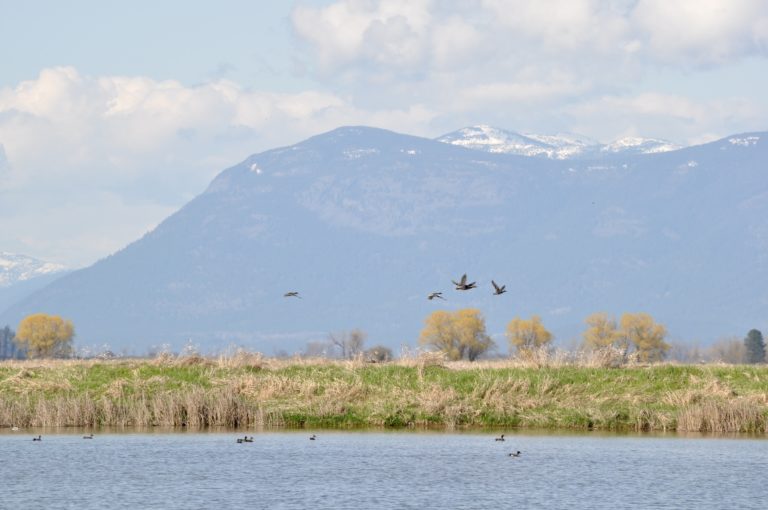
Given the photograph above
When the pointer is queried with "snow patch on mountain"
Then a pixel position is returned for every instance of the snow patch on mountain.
(17, 268)
(637, 145)
(558, 146)
(744, 142)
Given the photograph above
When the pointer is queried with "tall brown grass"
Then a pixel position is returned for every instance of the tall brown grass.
(601, 389)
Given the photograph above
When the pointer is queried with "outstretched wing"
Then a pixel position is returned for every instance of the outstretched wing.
(464, 279)
(495, 286)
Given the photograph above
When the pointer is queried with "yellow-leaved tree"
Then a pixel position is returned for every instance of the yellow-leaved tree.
(45, 336)
(645, 335)
(602, 332)
(457, 334)
(525, 335)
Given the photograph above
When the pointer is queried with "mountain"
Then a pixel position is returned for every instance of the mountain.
(560, 146)
(21, 275)
(364, 223)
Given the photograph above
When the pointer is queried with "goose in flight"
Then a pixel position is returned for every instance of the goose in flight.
(498, 290)
(438, 295)
(462, 284)
(293, 293)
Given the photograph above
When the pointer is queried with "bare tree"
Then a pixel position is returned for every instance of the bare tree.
(728, 350)
(316, 349)
(349, 344)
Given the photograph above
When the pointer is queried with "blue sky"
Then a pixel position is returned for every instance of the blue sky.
(114, 115)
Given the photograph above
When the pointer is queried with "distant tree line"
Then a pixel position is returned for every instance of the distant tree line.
(462, 335)
(9, 349)
(38, 336)
(348, 345)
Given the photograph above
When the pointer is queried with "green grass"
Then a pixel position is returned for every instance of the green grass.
(200, 392)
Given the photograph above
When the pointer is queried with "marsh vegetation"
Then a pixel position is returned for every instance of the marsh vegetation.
(548, 390)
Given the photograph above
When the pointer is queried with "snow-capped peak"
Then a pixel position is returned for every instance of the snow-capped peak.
(558, 146)
(15, 268)
(639, 145)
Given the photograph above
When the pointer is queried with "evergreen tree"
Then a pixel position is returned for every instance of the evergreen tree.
(755, 347)
(8, 347)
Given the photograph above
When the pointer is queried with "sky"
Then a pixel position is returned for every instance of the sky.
(114, 115)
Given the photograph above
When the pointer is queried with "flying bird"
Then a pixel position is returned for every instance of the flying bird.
(438, 295)
(462, 284)
(292, 294)
(498, 291)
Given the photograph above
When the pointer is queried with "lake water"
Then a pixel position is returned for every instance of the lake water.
(369, 470)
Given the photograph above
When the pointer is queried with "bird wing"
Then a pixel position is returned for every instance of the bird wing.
(495, 286)
(464, 279)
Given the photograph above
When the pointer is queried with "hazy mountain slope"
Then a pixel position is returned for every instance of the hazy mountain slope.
(365, 222)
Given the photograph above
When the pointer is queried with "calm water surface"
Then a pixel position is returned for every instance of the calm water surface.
(369, 470)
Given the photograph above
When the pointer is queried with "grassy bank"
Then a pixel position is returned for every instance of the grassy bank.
(250, 391)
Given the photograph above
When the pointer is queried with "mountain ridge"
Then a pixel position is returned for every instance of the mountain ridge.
(366, 222)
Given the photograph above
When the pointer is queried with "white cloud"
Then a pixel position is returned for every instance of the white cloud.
(667, 115)
(702, 31)
(533, 65)
(564, 25)
(390, 33)
(606, 68)
(147, 145)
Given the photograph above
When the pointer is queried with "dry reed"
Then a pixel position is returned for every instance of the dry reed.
(546, 389)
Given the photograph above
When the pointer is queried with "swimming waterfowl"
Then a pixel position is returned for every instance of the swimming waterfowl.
(497, 291)
(515, 454)
(462, 284)
(239, 440)
(438, 295)
(15, 429)
(500, 438)
(38, 438)
(88, 437)
(247, 439)
(312, 437)
(293, 293)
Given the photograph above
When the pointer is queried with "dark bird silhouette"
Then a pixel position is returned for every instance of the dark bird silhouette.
(438, 295)
(293, 293)
(239, 440)
(497, 291)
(88, 437)
(38, 438)
(500, 438)
(515, 454)
(312, 437)
(247, 439)
(463, 285)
